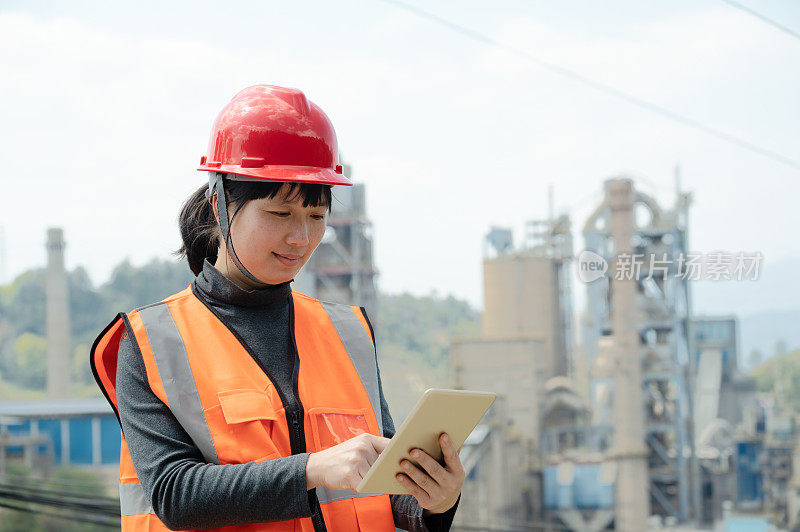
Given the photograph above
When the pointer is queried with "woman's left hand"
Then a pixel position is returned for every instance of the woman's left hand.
(435, 487)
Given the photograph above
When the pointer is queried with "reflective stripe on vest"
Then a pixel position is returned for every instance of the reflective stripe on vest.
(352, 335)
(133, 500)
(169, 353)
(356, 341)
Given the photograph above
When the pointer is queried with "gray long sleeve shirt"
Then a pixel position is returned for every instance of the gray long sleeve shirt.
(184, 490)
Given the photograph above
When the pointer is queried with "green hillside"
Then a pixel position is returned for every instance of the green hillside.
(413, 336)
(781, 375)
(22, 320)
(412, 333)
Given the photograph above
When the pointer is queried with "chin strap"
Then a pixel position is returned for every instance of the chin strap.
(217, 184)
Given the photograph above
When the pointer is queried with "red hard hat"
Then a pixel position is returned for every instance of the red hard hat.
(274, 133)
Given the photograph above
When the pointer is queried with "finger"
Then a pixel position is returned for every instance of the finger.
(425, 482)
(362, 468)
(433, 468)
(369, 453)
(379, 443)
(451, 459)
(367, 446)
(420, 494)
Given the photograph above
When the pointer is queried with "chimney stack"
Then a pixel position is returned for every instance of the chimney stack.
(59, 364)
(632, 503)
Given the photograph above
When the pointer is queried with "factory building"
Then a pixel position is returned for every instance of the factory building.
(526, 337)
(721, 389)
(527, 292)
(649, 420)
(43, 434)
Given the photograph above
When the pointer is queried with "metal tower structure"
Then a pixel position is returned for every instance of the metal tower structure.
(552, 238)
(656, 254)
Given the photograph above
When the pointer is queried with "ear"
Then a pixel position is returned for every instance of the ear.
(213, 200)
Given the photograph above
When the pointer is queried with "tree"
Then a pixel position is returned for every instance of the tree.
(25, 305)
(87, 307)
(755, 358)
(81, 372)
(30, 361)
(781, 375)
(132, 287)
(23, 308)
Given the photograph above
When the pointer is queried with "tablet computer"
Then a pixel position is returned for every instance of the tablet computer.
(455, 412)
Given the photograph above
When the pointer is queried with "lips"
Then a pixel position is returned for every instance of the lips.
(287, 260)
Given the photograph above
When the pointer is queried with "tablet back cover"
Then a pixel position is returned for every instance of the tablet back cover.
(456, 412)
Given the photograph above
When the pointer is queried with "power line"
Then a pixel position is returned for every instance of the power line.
(763, 18)
(608, 89)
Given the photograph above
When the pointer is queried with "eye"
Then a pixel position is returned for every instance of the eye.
(318, 216)
(281, 214)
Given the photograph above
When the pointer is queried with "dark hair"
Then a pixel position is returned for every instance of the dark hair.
(199, 229)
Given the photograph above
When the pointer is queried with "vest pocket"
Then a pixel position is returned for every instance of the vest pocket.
(332, 426)
(250, 422)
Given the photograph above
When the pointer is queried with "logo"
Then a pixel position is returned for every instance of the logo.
(591, 266)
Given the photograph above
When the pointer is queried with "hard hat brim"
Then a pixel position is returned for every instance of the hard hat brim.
(296, 174)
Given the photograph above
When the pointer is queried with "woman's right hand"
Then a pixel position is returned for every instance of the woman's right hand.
(344, 465)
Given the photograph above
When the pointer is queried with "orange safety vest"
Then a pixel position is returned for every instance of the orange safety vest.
(202, 370)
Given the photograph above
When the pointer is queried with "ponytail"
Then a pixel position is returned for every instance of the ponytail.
(199, 231)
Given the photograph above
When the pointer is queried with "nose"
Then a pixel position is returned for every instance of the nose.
(298, 234)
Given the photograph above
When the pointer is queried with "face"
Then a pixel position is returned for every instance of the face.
(273, 238)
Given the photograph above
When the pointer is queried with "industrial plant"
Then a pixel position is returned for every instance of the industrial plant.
(633, 415)
(630, 415)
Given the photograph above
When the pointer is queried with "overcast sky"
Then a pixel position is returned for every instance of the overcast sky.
(105, 110)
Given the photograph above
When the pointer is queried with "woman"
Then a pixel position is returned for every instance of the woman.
(244, 404)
